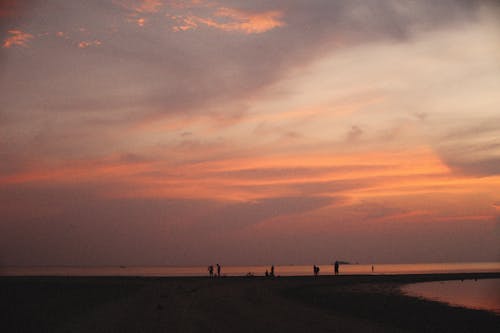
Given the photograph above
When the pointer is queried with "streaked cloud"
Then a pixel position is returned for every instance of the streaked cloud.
(17, 38)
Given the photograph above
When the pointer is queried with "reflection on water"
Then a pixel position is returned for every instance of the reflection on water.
(290, 270)
(480, 294)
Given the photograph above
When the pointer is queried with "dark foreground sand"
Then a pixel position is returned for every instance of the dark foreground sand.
(232, 304)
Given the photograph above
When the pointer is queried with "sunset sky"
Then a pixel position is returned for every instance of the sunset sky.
(150, 132)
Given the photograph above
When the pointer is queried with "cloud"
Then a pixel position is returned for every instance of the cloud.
(84, 44)
(230, 20)
(241, 21)
(140, 6)
(141, 22)
(473, 149)
(17, 38)
(241, 215)
(73, 225)
(354, 133)
(203, 69)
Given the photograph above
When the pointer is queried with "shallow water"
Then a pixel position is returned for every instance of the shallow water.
(481, 294)
(289, 270)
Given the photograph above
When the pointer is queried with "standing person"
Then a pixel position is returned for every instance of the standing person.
(218, 270)
(211, 271)
(336, 267)
(272, 271)
(373, 268)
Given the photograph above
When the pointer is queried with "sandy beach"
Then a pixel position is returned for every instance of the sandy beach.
(368, 303)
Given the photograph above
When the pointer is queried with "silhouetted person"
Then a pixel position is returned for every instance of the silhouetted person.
(336, 267)
(316, 270)
(218, 270)
(266, 274)
(211, 271)
(272, 271)
(373, 268)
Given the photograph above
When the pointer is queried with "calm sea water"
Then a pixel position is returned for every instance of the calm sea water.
(480, 294)
(289, 270)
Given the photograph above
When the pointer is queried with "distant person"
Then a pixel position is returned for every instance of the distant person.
(373, 268)
(211, 271)
(267, 273)
(272, 271)
(218, 270)
(316, 270)
(336, 267)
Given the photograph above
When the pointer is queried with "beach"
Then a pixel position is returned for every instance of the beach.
(344, 303)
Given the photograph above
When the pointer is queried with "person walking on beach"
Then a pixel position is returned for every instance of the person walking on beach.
(336, 267)
(218, 270)
(272, 271)
(211, 271)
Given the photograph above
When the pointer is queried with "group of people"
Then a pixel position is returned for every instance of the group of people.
(211, 270)
(269, 273)
(336, 265)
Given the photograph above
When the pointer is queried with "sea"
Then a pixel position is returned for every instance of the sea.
(280, 270)
(481, 294)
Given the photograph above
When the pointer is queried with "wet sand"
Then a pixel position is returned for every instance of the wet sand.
(356, 303)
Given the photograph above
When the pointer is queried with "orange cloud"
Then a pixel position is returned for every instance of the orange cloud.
(140, 6)
(184, 23)
(241, 21)
(141, 21)
(78, 171)
(258, 176)
(149, 6)
(84, 44)
(17, 38)
(464, 218)
(355, 176)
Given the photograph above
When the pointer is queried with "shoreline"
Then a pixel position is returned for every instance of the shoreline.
(354, 303)
(381, 276)
(283, 270)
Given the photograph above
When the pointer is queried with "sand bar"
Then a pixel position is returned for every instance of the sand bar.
(355, 303)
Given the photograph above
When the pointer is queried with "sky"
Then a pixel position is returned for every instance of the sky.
(150, 132)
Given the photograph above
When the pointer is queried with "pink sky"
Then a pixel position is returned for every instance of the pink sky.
(187, 132)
